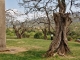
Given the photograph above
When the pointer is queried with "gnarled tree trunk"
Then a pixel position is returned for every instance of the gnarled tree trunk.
(62, 22)
(59, 44)
(2, 26)
(19, 31)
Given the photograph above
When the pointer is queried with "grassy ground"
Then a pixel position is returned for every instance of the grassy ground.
(35, 48)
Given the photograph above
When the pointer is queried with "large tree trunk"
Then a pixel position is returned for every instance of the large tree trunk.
(59, 44)
(62, 22)
(2, 26)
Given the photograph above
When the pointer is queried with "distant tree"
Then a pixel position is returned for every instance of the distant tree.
(44, 28)
(18, 27)
(19, 30)
(42, 25)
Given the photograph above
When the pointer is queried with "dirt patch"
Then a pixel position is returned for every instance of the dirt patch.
(14, 50)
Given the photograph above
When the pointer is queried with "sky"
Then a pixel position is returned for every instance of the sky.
(13, 4)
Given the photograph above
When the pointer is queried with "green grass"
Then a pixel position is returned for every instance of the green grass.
(35, 48)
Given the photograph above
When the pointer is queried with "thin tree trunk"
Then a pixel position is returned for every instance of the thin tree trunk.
(2, 26)
(59, 44)
(45, 33)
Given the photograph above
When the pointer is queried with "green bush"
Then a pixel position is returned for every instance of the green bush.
(38, 35)
(74, 34)
(69, 38)
(26, 35)
(78, 37)
(10, 32)
(32, 33)
(48, 37)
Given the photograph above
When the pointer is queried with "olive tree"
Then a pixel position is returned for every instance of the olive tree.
(18, 26)
(62, 19)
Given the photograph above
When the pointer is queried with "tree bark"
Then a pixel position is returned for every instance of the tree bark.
(19, 31)
(62, 21)
(45, 33)
(2, 26)
(59, 44)
(19, 36)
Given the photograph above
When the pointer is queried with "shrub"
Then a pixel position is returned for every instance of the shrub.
(10, 32)
(74, 34)
(78, 37)
(26, 35)
(38, 35)
(32, 33)
(48, 37)
(69, 38)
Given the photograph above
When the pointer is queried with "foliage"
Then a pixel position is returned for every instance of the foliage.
(26, 35)
(31, 30)
(10, 32)
(38, 35)
(32, 33)
(74, 30)
(78, 37)
(69, 38)
(48, 37)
